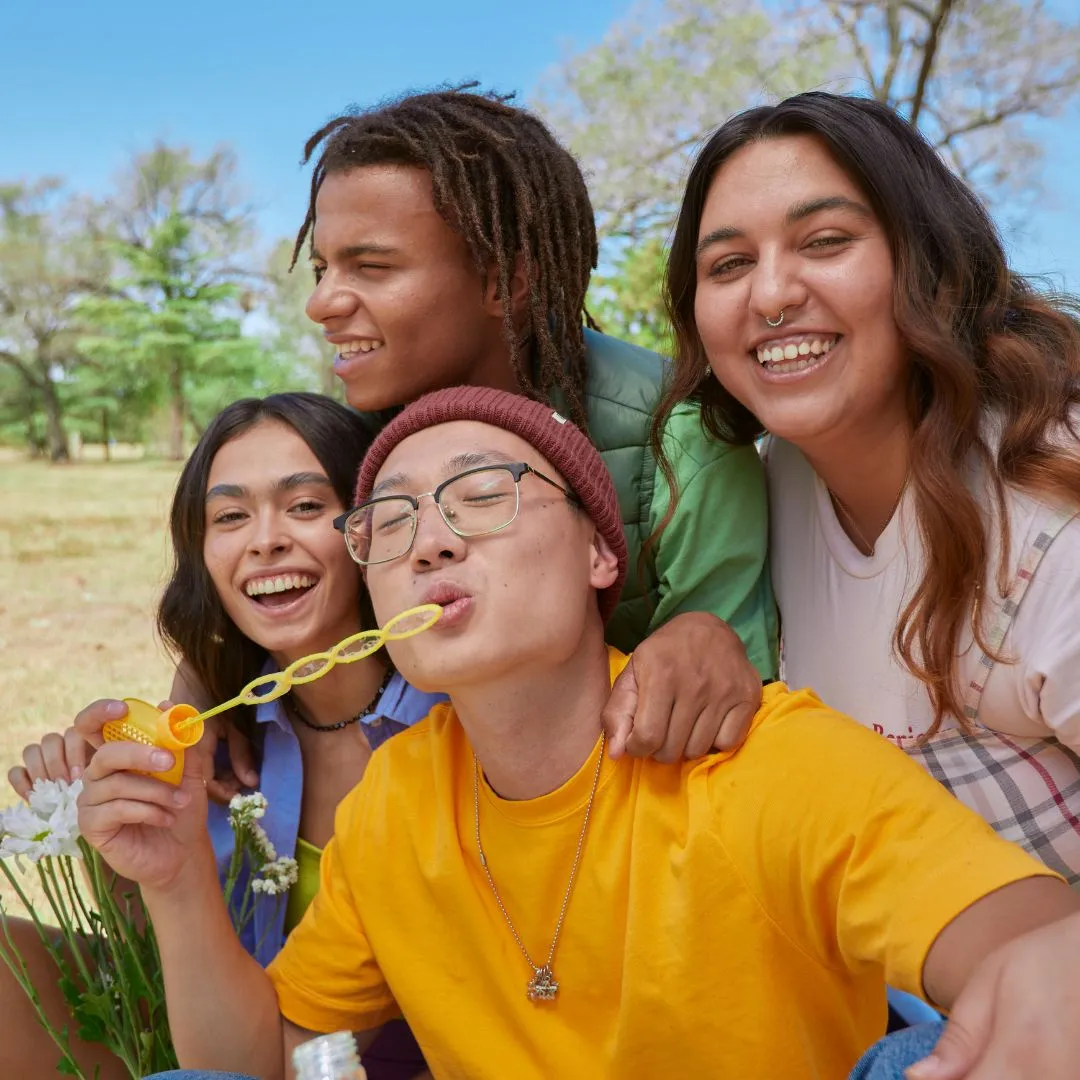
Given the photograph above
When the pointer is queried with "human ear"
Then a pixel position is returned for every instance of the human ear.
(603, 563)
(519, 289)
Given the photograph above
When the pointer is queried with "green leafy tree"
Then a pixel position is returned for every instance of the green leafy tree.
(47, 266)
(634, 107)
(173, 333)
(292, 337)
(626, 300)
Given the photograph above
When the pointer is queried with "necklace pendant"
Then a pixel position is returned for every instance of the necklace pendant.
(542, 986)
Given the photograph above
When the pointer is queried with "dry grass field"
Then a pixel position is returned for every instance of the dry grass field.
(83, 554)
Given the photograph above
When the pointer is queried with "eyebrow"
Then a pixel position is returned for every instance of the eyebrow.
(458, 463)
(796, 212)
(286, 483)
(802, 210)
(355, 251)
(473, 460)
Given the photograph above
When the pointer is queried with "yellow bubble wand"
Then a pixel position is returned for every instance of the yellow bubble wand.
(181, 727)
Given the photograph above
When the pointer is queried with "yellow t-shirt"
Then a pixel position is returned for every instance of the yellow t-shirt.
(734, 916)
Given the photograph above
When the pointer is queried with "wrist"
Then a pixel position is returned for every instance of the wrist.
(188, 888)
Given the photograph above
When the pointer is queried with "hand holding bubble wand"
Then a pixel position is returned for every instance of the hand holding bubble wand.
(181, 727)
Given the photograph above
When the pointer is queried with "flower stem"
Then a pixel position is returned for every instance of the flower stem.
(9, 953)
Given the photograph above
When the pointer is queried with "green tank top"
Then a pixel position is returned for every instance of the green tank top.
(308, 857)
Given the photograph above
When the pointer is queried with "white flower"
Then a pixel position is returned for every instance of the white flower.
(245, 810)
(277, 877)
(47, 825)
(244, 814)
(262, 843)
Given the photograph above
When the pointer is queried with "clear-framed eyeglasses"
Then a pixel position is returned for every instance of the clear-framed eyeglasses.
(472, 503)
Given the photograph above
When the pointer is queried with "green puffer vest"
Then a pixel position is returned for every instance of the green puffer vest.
(621, 391)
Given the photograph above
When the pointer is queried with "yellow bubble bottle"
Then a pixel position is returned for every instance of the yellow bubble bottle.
(176, 730)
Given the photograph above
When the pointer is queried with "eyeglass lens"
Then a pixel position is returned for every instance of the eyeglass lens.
(472, 504)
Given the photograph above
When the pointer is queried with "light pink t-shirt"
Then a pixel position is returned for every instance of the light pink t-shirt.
(839, 610)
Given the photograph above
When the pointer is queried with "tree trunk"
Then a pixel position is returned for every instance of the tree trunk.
(33, 437)
(176, 411)
(105, 434)
(55, 436)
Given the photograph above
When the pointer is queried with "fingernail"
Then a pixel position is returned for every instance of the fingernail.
(115, 709)
(181, 798)
(923, 1070)
(161, 760)
(76, 772)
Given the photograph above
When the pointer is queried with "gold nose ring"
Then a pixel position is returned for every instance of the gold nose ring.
(774, 324)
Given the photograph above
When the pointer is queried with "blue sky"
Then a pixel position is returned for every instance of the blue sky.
(84, 85)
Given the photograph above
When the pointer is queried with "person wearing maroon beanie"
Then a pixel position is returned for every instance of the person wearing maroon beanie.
(560, 913)
(554, 466)
(534, 907)
(562, 443)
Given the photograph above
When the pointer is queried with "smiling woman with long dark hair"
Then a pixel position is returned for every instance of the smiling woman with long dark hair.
(831, 282)
(194, 615)
(260, 578)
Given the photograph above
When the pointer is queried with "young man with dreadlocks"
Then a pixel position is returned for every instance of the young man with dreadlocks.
(452, 240)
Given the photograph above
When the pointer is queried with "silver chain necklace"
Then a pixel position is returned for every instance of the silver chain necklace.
(542, 986)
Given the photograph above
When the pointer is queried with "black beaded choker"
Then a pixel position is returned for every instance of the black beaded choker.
(298, 709)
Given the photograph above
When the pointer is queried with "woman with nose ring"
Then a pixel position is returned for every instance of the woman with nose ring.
(846, 293)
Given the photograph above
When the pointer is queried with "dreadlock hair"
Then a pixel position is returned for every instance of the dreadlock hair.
(503, 182)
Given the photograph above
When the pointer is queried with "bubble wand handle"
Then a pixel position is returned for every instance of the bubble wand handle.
(182, 726)
(175, 729)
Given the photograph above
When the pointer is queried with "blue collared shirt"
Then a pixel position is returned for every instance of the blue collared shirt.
(281, 781)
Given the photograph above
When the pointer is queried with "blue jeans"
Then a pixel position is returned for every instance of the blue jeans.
(197, 1074)
(889, 1057)
(885, 1060)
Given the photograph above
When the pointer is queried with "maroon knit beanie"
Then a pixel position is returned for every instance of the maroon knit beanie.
(563, 444)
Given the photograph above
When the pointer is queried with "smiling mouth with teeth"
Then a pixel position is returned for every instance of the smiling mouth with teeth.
(278, 590)
(364, 345)
(795, 353)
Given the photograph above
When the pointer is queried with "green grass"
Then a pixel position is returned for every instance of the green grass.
(83, 557)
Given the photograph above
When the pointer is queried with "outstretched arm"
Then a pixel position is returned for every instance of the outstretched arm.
(1007, 968)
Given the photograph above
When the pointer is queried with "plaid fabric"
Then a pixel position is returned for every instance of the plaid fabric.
(1028, 789)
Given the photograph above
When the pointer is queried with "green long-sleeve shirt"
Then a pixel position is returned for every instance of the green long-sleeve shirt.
(713, 554)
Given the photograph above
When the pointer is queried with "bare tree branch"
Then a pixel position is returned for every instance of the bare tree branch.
(851, 30)
(22, 367)
(923, 13)
(1015, 107)
(929, 55)
(895, 49)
